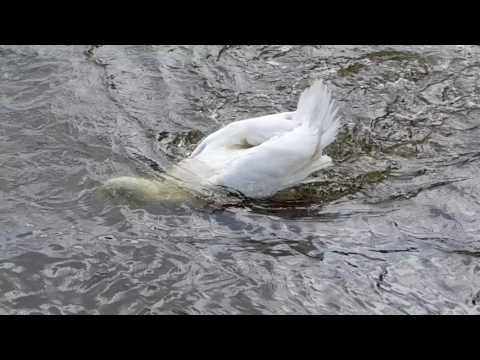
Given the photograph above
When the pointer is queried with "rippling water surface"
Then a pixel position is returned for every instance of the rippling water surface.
(392, 228)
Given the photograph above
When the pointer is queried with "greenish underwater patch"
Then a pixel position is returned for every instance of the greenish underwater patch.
(351, 70)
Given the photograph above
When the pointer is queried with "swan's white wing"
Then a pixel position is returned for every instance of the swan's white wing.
(277, 163)
(219, 149)
(246, 133)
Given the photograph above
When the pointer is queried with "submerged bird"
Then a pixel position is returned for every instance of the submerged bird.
(257, 157)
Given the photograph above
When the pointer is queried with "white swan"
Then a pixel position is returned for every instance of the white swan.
(257, 157)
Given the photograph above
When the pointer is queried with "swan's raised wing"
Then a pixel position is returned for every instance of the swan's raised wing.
(271, 166)
(247, 133)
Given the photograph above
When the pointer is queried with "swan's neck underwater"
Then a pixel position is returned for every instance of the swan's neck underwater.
(145, 190)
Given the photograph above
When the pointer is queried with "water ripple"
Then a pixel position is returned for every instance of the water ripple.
(391, 229)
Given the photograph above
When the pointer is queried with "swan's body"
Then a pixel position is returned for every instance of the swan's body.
(261, 156)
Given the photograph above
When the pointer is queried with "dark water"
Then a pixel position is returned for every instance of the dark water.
(392, 228)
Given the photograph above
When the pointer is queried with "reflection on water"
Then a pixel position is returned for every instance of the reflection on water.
(392, 228)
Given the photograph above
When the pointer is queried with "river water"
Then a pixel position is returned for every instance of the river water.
(392, 228)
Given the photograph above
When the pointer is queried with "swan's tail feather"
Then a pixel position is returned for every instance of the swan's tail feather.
(317, 110)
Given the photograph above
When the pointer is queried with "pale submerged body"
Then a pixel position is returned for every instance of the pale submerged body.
(261, 156)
